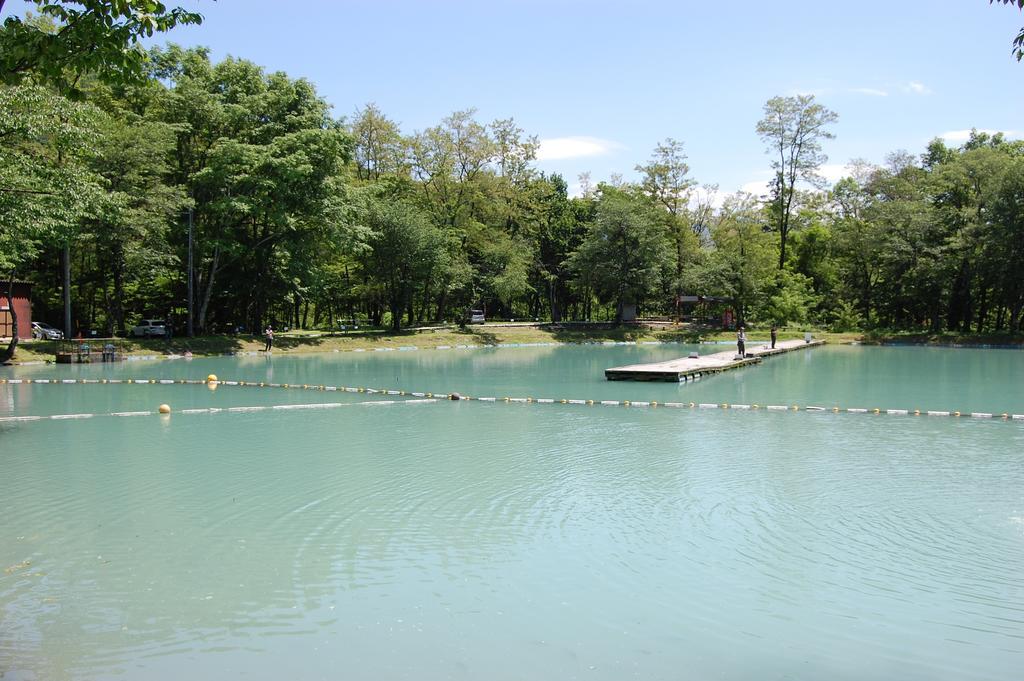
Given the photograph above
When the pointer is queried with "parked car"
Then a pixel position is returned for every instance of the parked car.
(46, 332)
(150, 328)
(476, 317)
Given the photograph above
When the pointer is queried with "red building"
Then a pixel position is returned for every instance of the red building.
(21, 293)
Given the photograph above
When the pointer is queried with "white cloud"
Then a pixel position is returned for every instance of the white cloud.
(918, 88)
(870, 91)
(961, 136)
(560, 148)
(833, 172)
(757, 187)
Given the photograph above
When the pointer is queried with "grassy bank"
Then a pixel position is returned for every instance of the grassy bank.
(306, 342)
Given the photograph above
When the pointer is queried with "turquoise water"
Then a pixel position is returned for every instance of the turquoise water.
(466, 540)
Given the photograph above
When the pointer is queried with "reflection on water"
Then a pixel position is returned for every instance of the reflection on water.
(471, 540)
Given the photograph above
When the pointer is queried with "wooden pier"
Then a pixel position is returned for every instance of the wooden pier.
(686, 368)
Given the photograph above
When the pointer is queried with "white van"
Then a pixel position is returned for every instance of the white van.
(477, 317)
(150, 328)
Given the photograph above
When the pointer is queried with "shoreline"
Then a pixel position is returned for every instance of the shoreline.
(499, 335)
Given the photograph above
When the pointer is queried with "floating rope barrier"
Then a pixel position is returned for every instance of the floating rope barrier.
(216, 410)
(423, 396)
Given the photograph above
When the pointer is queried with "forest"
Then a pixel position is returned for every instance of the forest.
(122, 195)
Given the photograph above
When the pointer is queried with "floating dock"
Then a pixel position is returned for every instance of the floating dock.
(88, 351)
(686, 368)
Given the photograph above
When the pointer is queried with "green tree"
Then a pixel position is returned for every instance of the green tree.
(46, 186)
(129, 229)
(624, 254)
(1006, 240)
(97, 37)
(378, 146)
(790, 299)
(665, 179)
(858, 245)
(793, 129)
(403, 245)
(1018, 42)
(740, 265)
(263, 161)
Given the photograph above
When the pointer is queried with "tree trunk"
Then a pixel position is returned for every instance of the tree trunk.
(8, 354)
(442, 303)
(118, 304)
(396, 316)
(67, 289)
(208, 292)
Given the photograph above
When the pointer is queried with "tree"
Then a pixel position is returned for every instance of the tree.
(1007, 240)
(1018, 42)
(858, 244)
(129, 229)
(378, 148)
(403, 245)
(740, 265)
(46, 186)
(262, 159)
(74, 38)
(98, 37)
(623, 255)
(792, 129)
(665, 180)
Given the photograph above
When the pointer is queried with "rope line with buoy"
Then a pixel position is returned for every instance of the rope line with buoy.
(212, 381)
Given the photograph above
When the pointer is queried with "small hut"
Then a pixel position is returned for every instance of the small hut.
(21, 294)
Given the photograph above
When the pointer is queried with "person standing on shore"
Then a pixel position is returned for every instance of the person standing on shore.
(775, 335)
(741, 342)
(269, 335)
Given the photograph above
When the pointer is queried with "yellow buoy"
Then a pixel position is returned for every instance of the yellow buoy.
(165, 409)
(212, 378)
(212, 385)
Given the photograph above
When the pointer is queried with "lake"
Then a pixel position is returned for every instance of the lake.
(477, 540)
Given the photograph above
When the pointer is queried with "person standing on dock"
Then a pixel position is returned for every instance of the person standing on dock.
(775, 335)
(741, 342)
(269, 335)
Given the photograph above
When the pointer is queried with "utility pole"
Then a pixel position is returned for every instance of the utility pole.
(191, 328)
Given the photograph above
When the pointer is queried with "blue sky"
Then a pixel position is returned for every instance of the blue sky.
(600, 83)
